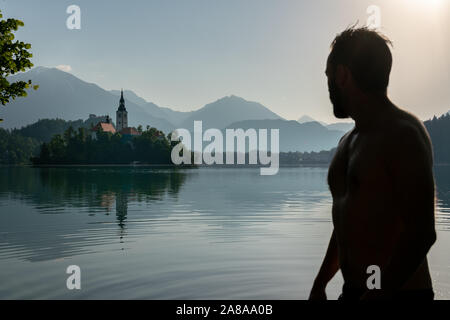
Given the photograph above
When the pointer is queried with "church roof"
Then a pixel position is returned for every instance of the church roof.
(106, 127)
(130, 131)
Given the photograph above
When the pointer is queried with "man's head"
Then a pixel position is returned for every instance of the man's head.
(360, 60)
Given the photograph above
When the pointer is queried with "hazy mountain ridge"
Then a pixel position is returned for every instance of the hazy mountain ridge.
(294, 136)
(62, 95)
(173, 116)
(305, 118)
(226, 111)
(130, 96)
(341, 126)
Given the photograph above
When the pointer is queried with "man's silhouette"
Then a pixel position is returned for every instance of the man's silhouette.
(381, 179)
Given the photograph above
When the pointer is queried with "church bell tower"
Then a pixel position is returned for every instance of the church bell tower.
(121, 114)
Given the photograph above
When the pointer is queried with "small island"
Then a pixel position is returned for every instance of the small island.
(106, 143)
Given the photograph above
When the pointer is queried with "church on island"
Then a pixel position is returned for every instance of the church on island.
(121, 123)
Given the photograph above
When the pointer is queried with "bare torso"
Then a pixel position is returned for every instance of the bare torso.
(364, 211)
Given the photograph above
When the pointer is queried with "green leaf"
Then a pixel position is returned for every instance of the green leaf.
(14, 57)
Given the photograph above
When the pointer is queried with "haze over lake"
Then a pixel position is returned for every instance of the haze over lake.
(155, 233)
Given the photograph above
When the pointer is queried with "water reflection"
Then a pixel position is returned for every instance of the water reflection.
(175, 234)
(86, 186)
(73, 193)
(226, 204)
(442, 178)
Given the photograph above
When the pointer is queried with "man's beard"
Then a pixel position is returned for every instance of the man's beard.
(337, 101)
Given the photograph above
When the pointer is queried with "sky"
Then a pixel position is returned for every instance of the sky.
(184, 54)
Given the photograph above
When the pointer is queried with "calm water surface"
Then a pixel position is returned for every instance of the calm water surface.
(175, 234)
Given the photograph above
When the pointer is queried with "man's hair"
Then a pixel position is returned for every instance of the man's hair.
(367, 55)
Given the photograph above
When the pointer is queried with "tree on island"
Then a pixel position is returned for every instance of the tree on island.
(14, 57)
(79, 147)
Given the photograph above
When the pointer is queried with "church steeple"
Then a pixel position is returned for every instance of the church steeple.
(122, 102)
(121, 114)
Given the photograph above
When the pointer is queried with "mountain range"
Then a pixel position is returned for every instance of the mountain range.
(174, 117)
(63, 95)
(305, 118)
(340, 126)
(294, 136)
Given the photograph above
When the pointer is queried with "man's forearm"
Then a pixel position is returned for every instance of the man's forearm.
(330, 264)
(409, 255)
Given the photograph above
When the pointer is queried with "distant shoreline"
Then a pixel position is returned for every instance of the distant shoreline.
(169, 166)
(227, 166)
(215, 166)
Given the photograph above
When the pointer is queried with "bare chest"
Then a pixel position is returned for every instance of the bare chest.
(358, 167)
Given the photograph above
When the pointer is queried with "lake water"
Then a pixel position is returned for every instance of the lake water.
(149, 233)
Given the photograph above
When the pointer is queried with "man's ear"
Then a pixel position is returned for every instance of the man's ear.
(343, 76)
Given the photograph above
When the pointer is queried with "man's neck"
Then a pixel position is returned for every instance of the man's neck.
(369, 110)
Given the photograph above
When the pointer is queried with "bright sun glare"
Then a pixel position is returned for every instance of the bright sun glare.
(428, 3)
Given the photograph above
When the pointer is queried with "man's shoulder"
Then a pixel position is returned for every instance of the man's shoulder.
(406, 135)
(398, 124)
(345, 137)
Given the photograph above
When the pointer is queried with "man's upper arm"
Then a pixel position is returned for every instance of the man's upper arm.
(411, 168)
